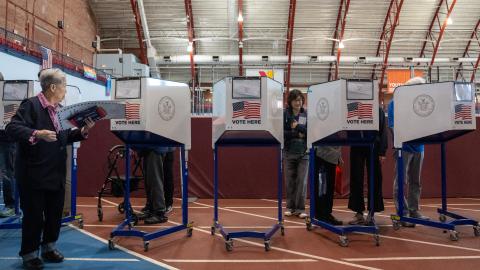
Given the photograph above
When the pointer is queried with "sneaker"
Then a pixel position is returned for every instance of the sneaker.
(358, 219)
(33, 264)
(330, 219)
(416, 214)
(7, 212)
(407, 224)
(53, 256)
(288, 213)
(169, 210)
(144, 214)
(302, 215)
(157, 218)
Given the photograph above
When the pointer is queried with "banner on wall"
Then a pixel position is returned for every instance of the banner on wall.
(276, 74)
(397, 77)
(89, 72)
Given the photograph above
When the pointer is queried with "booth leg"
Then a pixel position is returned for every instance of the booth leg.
(185, 186)
(371, 188)
(280, 190)
(444, 176)
(311, 186)
(215, 190)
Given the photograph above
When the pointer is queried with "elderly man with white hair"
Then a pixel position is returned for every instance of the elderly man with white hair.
(41, 167)
(412, 169)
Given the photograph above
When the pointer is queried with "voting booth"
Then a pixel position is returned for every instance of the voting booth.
(12, 93)
(342, 112)
(433, 114)
(247, 111)
(157, 113)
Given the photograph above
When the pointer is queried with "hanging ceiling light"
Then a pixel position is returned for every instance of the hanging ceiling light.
(449, 21)
(341, 45)
(190, 47)
(240, 17)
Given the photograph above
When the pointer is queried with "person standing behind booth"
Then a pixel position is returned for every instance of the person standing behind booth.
(7, 158)
(41, 167)
(412, 169)
(296, 160)
(326, 160)
(168, 179)
(155, 207)
(359, 158)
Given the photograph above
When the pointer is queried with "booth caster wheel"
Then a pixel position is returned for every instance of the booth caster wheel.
(442, 218)
(396, 225)
(343, 241)
(80, 223)
(111, 244)
(212, 230)
(189, 232)
(145, 246)
(282, 231)
(133, 221)
(121, 208)
(100, 214)
(376, 237)
(476, 230)
(308, 222)
(267, 245)
(453, 235)
(229, 245)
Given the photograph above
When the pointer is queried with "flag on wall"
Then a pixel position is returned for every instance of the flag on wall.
(46, 57)
(9, 111)
(463, 112)
(360, 110)
(132, 111)
(246, 109)
(89, 72)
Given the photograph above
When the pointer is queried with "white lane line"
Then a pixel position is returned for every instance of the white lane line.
(250, 214)
(253, 207)
(116, 225)
(473, 199)
(382, 236)
(455, 208)
(411, 258)
(275, 201)
(84, 259)
(138, 255)
(241, 261)
(287, 250)
(134, 206)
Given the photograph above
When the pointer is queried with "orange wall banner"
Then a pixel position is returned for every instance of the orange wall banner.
(397, 77)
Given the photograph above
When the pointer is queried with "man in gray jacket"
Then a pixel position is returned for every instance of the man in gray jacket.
(326, 160)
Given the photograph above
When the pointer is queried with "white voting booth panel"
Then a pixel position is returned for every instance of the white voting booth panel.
(247, 104)
(341, 105)
(423, 110)
(153, 105)
(12, 93)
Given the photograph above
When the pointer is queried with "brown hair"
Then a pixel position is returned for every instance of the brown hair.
(294, 94)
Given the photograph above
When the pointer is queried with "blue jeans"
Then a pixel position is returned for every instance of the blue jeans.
(7, 158)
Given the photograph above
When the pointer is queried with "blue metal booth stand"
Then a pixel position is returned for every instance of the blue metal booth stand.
(457, 220)
(247, 139)
(350, 138)
(145, 139)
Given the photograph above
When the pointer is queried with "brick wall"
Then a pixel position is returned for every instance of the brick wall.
(37, 20)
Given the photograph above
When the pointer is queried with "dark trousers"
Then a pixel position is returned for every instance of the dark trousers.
(168, 178)
(153, 172)
(42, 214)
(359, 158)
(324, 203)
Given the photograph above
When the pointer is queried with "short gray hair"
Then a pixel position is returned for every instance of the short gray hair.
(415, 80)
(51, 76)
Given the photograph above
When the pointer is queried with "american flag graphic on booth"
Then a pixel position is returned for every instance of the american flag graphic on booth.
(463, 112)
(360, 110)
(247, 109)
(46, 57)
(9, 111)
(132, 111)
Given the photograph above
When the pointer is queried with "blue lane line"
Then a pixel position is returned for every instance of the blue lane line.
(73, 244)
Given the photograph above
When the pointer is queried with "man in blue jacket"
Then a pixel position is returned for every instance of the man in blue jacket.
(412, 169)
